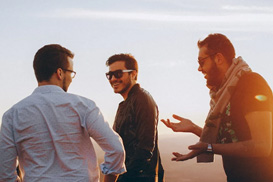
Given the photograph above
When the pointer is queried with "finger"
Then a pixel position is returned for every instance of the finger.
(164, 121)
(178, 117)
(198, 146)
(167, 123)
(181, 158)
(174, 159)
(193, 147)
(176, 154)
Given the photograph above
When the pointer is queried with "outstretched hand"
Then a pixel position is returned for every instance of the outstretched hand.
(196, 149)
(185, 125)
(184, 157)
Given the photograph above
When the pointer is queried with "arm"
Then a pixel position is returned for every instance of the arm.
(8, 152)
(108, 140)
(146, 118)
(260, 144)
(185, 125)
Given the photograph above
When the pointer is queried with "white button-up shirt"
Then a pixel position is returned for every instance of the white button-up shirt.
(50, 133)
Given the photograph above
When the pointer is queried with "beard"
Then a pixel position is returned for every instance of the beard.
(214, 79)
(124, 84)
(125, 88)
(65, 87)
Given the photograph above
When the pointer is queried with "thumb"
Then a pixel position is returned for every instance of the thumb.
(193, 147)
(178, 117)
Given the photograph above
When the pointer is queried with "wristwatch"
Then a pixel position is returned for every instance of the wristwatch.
(209, 148)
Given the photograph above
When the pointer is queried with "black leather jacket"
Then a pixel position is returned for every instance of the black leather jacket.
(136, 122)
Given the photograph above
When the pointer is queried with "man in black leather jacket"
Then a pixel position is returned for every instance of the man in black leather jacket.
(136, 122)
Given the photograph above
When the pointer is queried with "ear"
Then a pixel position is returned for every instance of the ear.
(134, 74)
(59, 73)
(219, 59)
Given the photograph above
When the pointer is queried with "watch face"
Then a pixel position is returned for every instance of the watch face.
(209, 149)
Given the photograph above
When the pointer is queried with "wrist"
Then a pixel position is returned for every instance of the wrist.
(196, 130)
(209, 148)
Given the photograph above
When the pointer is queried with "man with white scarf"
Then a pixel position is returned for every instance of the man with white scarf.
(239, 122)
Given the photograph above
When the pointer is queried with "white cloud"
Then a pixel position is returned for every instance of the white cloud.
(163, 16)
(263, 9)
(225, 21)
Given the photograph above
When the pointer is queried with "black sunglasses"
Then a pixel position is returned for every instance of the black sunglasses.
(117, 73)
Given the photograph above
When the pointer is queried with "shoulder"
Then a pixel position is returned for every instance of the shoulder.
(79, 97)
(254, 82)
(253, 93)
(251, 76)
(141, 93)
(144, 98)
(8, 115)
(21, 104)
(81, 100)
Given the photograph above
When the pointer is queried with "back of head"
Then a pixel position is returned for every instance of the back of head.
(218, 43)
(130, 61)
(48, 59)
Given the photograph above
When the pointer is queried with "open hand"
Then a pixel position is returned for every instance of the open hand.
(196, 149)
(185, 125)
(184, 157)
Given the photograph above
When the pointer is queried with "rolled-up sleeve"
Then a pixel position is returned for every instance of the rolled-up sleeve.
(108, 140)
(8, 152)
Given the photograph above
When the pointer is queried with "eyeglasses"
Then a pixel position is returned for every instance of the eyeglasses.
(201, 61)
(73, 73)
(117, 73)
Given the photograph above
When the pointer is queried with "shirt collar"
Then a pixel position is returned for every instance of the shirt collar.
(48, 89)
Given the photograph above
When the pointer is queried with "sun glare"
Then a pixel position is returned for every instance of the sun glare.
(261, 97)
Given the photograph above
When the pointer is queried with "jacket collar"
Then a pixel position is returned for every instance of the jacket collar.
(133, 89)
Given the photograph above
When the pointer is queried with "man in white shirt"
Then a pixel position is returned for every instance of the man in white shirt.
(49, 131)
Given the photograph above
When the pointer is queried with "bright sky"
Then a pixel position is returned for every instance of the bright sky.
(161, 34)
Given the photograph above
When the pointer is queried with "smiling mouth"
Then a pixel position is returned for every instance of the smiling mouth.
(116, 84)
(205, 75)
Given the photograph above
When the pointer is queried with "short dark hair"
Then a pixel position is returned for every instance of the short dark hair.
(48, 59)
(218, 43)
(130, 61)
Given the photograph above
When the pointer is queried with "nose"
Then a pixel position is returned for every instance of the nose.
(113, 78)
(200, 68)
